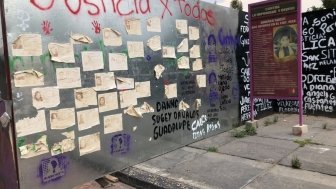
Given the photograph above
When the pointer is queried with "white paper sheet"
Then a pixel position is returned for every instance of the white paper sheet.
(193, 33)
(62, 118)
(133, 26)
(125, 83)
(133, 111)
(81, 38)
(68, 78)
(195, 51)
(197, 65)
(27, 45)
(159, 69)
(62, 52)
(154, 24)
(47, 97)
(201, 81)
(168, 52)
(105, 81)
(112, 37)
(171, 91)
(135, 49)
(87, 119)
(183, 47)
(154, 43)
(92, 60)
(85, 97)
(128, 98)
(108, 102)
(113, 123)
(183, 63)
(28, 78)
(28, 126)
(143, 89)
(35, 149)
(183, 106)
(118, 61)
(182, 26)
(89, 144)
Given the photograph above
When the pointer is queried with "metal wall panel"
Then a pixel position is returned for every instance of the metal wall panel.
(220, 99)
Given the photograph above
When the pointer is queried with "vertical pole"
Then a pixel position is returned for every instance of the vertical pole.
(250, 63)
(299, 54)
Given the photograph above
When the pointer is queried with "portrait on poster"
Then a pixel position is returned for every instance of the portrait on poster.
(285, 43)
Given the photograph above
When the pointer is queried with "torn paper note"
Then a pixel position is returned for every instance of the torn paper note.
(68, 78)
(154, 24)
(146, 108)
(195, 51)
(65, 145)
(201, 81)
(128, 98)
(62, 118)
(133, 26)
(62, 52)
(135, 49)
(35, 149)
(158, 71)
(182, 26)
(89, 144)
(168, 52)
(183, 63)
(125, 83)
(92, 60)
(154, 43)
(198, 104)
(85, 97)
(105, 81)
(118, 61)
(47, 97)
(112, 37)
(197, 65)
(28, 78)
(132, 111)
(183, 106)
(143, 89)
(193, 33)
(113, 123)
(183, 46)
(80, 38)
(87, 119)
(171, 91)
(28, 126)
(108, 102)
(27, 45)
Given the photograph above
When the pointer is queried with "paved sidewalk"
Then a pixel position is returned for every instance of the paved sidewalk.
(256, 162)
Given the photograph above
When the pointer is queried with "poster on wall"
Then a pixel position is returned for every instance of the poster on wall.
(274, 49)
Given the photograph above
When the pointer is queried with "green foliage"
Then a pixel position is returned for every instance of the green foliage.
(326, 4)
(267, 122)
(247, 131)
(20, 141)
(304, 142)
(212, 149)
(250, 130)
(236, 4)
(296, 163)
(275, 119)
(325, 126)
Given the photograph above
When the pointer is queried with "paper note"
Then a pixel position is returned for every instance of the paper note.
(87, 119)
(193, 33)
(89, 144)
(92, 60)
(201, 81)
(183, 46)
(135, 49)
(158, 71)
(198, 104)
(128, 98)
(47, 97)
(143, 89)
(28, 78)
(132, 111)
(168, 52)
(112, 37)
(183, 63)
(80, 38)
(183, 106)
(28, 126)
(171, 91)
(182, 26)
(146, 108)
(35, 149)
(133, 26)
(113, 123)
(104, 81)
(197, 65)
(125, 83)
(195, 51)
(68, 78)
(62, 52)
(62, 118)
(108, 102)
(85, 97)
(154, 43)
(27, 45)
(118, 61)
(65, 145)
(154, 24)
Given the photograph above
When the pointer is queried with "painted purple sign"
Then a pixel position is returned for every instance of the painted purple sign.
(53, 168)
(120, 143)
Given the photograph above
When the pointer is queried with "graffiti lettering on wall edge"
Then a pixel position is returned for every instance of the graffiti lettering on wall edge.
(53, 168)
(199, 130)
(142, 7)
(167, 121)
(120, 144)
